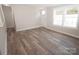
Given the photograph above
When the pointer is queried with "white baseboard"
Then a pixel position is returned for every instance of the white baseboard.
(48, 28)
(27, 28)
(63, 32)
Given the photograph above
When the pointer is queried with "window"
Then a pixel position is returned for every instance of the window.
(70, 20)
(58, 18)
(66, 18)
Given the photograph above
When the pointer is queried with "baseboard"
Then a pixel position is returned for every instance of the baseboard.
(50, 29)
(63, 32)
(27, 28)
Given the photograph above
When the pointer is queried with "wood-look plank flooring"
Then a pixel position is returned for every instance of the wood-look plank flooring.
(41, 41)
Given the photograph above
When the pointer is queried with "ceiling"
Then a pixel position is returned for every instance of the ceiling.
(36, 5)
(39, 5)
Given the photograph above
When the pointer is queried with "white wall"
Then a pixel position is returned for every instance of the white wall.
(43, 17)
(66, 30)
(26, 17)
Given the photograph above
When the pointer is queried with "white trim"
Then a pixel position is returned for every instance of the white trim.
(63, 32)
(27, 28)
(4, 23)
(47, 28)
(4, 52)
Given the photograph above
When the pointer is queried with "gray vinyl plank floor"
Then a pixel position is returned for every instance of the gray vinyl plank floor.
(41, 41)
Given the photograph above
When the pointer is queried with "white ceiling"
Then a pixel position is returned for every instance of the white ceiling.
(44, 4)
(39, 5)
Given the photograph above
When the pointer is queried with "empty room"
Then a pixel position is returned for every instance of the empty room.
(39, 29)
